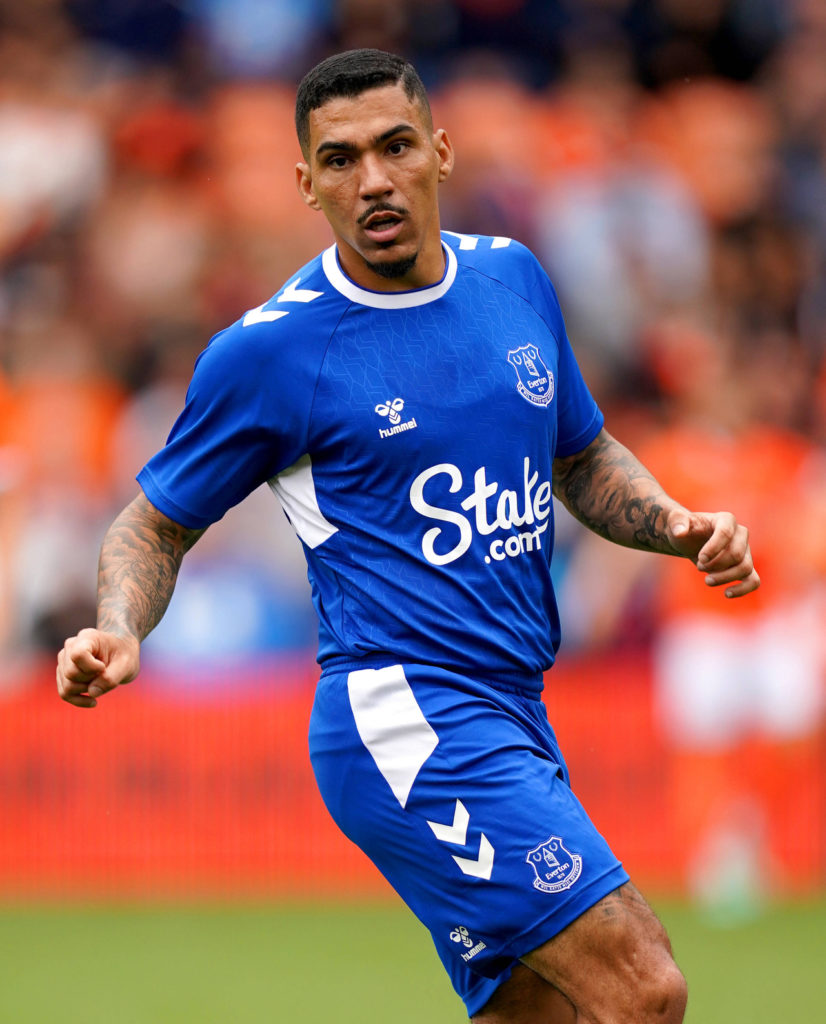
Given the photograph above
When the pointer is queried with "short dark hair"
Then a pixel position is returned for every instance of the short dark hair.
(350, 74)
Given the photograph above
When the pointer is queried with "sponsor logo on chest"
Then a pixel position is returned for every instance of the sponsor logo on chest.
(519, 517)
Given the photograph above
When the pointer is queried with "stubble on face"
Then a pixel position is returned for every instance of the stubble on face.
(392, 270)
(388, 269)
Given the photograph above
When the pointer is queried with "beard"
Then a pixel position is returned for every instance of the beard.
(389, 269)
(393, 269)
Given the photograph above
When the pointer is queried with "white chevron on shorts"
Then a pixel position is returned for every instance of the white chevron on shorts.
(457, 832)
(482, 865)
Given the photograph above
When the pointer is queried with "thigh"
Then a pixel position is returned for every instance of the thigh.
(525, 998)
(614, 963)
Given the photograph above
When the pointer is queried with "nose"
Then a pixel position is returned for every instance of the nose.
(374, 181)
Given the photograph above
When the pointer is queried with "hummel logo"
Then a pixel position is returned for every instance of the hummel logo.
(392, 410)
(461, 934)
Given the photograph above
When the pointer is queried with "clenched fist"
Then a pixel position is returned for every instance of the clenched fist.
(93, 663)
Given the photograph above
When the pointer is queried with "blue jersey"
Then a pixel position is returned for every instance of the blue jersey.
(410, 438)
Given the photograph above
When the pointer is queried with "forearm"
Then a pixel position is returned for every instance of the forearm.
(609, 490)
(140, 558)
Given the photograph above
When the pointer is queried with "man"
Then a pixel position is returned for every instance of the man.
(412, 399)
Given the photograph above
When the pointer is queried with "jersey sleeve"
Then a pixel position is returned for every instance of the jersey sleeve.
(579, 418)
(244, 420)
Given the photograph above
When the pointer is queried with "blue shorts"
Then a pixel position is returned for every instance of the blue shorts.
(456, 790)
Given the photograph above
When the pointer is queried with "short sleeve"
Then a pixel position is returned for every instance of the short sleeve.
(244, 420)
(579, 418)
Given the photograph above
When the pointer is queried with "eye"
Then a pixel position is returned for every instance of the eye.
(339, 161)
(397, 147)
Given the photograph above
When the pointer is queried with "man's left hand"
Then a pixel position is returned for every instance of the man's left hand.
(718, 545)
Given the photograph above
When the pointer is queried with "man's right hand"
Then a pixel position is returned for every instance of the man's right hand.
(93, 663)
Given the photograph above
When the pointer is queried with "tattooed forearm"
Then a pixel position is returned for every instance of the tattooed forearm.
(139, 562)
(614, 495)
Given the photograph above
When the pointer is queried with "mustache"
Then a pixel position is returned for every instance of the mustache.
(381, 208)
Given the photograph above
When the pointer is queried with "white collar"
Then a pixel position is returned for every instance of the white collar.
(387, 300)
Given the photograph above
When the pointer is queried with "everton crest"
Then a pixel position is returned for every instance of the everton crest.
(535, 382)
(556, 868)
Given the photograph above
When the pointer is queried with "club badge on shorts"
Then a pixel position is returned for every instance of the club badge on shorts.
(556, 868)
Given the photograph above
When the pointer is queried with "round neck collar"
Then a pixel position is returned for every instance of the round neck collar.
(387, 300)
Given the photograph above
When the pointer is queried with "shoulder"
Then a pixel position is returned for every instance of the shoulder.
(495, 256)
(304, 310)
(506, 261)
(305, 298)
(483, 250)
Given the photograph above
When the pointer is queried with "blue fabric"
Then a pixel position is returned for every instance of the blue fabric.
(431, 420)
(497, 755)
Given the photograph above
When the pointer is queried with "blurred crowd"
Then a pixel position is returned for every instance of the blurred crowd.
(666, 160)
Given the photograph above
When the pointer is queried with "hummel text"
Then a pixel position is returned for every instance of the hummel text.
(398, 429)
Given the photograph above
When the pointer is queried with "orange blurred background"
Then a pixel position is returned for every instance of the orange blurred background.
(666, 160)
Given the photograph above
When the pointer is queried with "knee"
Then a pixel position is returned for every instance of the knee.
(649, 987)
(663, 996)
(615, 964)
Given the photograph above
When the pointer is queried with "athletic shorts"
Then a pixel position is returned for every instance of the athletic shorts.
(456, 790)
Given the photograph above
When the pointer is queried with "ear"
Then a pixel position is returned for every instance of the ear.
(304, 182)
(444, 150)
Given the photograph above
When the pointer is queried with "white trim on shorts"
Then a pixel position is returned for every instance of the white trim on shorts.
(391, 725)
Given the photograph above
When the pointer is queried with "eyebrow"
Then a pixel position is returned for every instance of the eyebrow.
(350, 147)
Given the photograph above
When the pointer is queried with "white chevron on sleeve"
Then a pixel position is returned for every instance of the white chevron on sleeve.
(259, 315)
(292, 293)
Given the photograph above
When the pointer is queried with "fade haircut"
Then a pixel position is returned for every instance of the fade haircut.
(349, 74)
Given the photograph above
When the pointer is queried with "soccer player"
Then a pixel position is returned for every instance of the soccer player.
(412, 399)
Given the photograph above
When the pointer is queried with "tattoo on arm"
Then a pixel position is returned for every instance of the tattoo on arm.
(614, 495)
(139, 562)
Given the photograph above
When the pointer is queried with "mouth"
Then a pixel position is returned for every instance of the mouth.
(382, 226)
